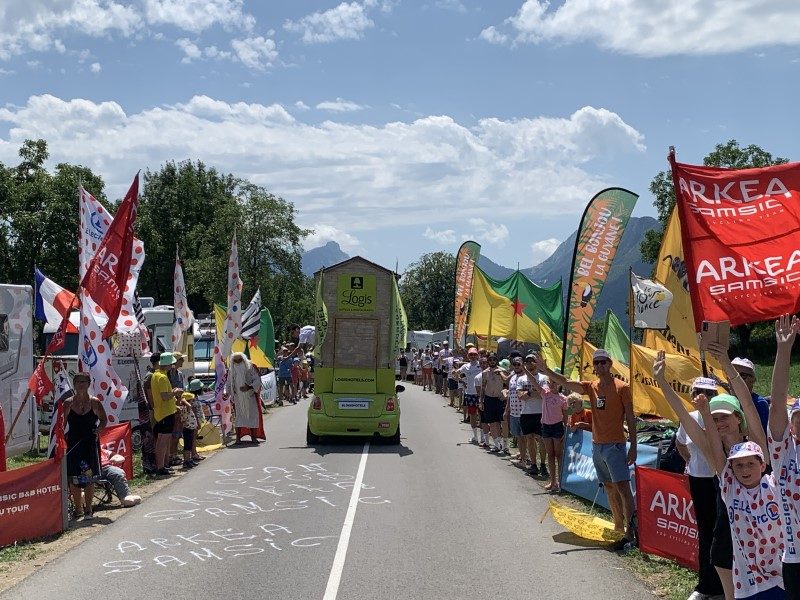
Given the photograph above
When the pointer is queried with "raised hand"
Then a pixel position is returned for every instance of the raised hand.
(660, 365)
(786, 328)
(701, 402)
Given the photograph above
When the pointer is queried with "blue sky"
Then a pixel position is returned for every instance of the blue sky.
(399, 127)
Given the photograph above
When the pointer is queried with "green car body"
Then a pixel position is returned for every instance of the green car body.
(354, 402)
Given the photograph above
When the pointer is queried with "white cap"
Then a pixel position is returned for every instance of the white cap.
(704, 383)
(745, 363)
(745, 449)
(601, 353)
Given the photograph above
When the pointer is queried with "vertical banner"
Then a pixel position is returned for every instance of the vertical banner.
(665, 516)
(615, 339)
(30, 505)
(399, 323)
(679, 336)
(599, 235)
(741, 234)
(117, 440)
(466, 259)
(180, 302)
(320, 319)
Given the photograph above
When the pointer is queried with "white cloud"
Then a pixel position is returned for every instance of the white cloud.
(490, 233)
(341, 172)
(255, 52)
(324, 233)
(198, 15)
(30, 25)
(340, 105)
(348, 21)
(7, 72)
(543, 249)
(300, 105)
(656, 27)
(95, 67)
(455, 5)
(443, 237)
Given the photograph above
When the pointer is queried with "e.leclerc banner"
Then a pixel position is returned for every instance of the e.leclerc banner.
(30, 502)
(741, 236)
(599, 234)
(665, 516)
(465, 262)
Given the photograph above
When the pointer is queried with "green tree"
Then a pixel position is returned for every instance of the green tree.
(198, 209)
(428, 291)
(39, 217)
(730, 156)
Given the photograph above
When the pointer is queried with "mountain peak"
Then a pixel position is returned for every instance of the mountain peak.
(323, 256)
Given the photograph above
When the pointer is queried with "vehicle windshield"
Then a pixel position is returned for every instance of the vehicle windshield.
(203, 349)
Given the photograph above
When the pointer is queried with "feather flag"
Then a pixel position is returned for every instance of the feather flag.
(57, 444)
(183, 316)
(651, 302)
(251, 319)
(233, 320)
(107, 277)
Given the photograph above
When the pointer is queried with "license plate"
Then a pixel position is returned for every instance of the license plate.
(353, 404)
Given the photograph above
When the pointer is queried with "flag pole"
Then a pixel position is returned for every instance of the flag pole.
(17, 416)
(630, 304)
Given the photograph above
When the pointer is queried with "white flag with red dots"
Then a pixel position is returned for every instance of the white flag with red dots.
(183, 316)
(95, 359)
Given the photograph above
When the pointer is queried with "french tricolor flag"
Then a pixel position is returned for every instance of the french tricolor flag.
(53, 302)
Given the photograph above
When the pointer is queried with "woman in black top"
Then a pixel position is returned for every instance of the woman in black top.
(85, 416)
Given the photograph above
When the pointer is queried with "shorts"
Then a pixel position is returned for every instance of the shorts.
(427, 370)
(452, 384)
(471, 400)
(284, 380)
(165, 425)
(611, 462)
(553, 432)
(188, 438)
(515, 428)
(492, 410)
(531, 424)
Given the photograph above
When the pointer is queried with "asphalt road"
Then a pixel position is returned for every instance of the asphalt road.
(435, 517)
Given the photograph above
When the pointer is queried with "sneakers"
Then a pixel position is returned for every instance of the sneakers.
(473, 441)
(543, 470)
(533, 471)
(187, 464)
(131, 500)
(161, 473)
(494, 449)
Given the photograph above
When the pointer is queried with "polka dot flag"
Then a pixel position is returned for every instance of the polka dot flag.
(232, 329)
(183, 316)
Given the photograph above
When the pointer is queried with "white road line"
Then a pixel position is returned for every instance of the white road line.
(335, 577)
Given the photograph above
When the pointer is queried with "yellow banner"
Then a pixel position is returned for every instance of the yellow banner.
(679, 337)
(647, 396)
(465, 265)
(257, 356)
(551, 346)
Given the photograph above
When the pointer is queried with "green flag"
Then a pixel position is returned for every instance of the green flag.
(615, 340)
(320, 319)
(399, 322)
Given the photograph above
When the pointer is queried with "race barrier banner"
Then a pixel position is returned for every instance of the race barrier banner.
(578, 475)
(117, 440)
(665, 513)
(31, 503)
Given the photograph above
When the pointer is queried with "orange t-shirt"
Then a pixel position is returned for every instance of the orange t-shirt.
(609, 417)
(581, 419)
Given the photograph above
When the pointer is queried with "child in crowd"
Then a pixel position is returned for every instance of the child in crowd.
(303, 377)
(554, 406)
(190, 425)
(580, 416)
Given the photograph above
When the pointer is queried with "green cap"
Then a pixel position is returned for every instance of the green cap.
(728, 405)
(167, 359)
(504, 364)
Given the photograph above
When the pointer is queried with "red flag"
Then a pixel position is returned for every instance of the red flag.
(39, 384)
(106, 277)
(57, 447)
(59, 337)
(741, 239)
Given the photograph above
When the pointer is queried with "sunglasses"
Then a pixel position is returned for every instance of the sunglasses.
(743, 375)
(708, 393)
(600, 362)
(517, 363)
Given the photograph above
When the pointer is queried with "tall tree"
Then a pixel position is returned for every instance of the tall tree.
(729, 156)
(39, 216)
(428, 291)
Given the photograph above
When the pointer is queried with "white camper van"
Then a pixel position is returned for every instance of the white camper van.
(16, 365)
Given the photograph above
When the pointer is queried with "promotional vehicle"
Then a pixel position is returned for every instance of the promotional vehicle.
(361, 326)
(16, 365)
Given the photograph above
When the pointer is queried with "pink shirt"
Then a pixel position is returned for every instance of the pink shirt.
(552, 407)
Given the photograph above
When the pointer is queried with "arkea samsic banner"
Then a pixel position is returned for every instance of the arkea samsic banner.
(741, 237)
